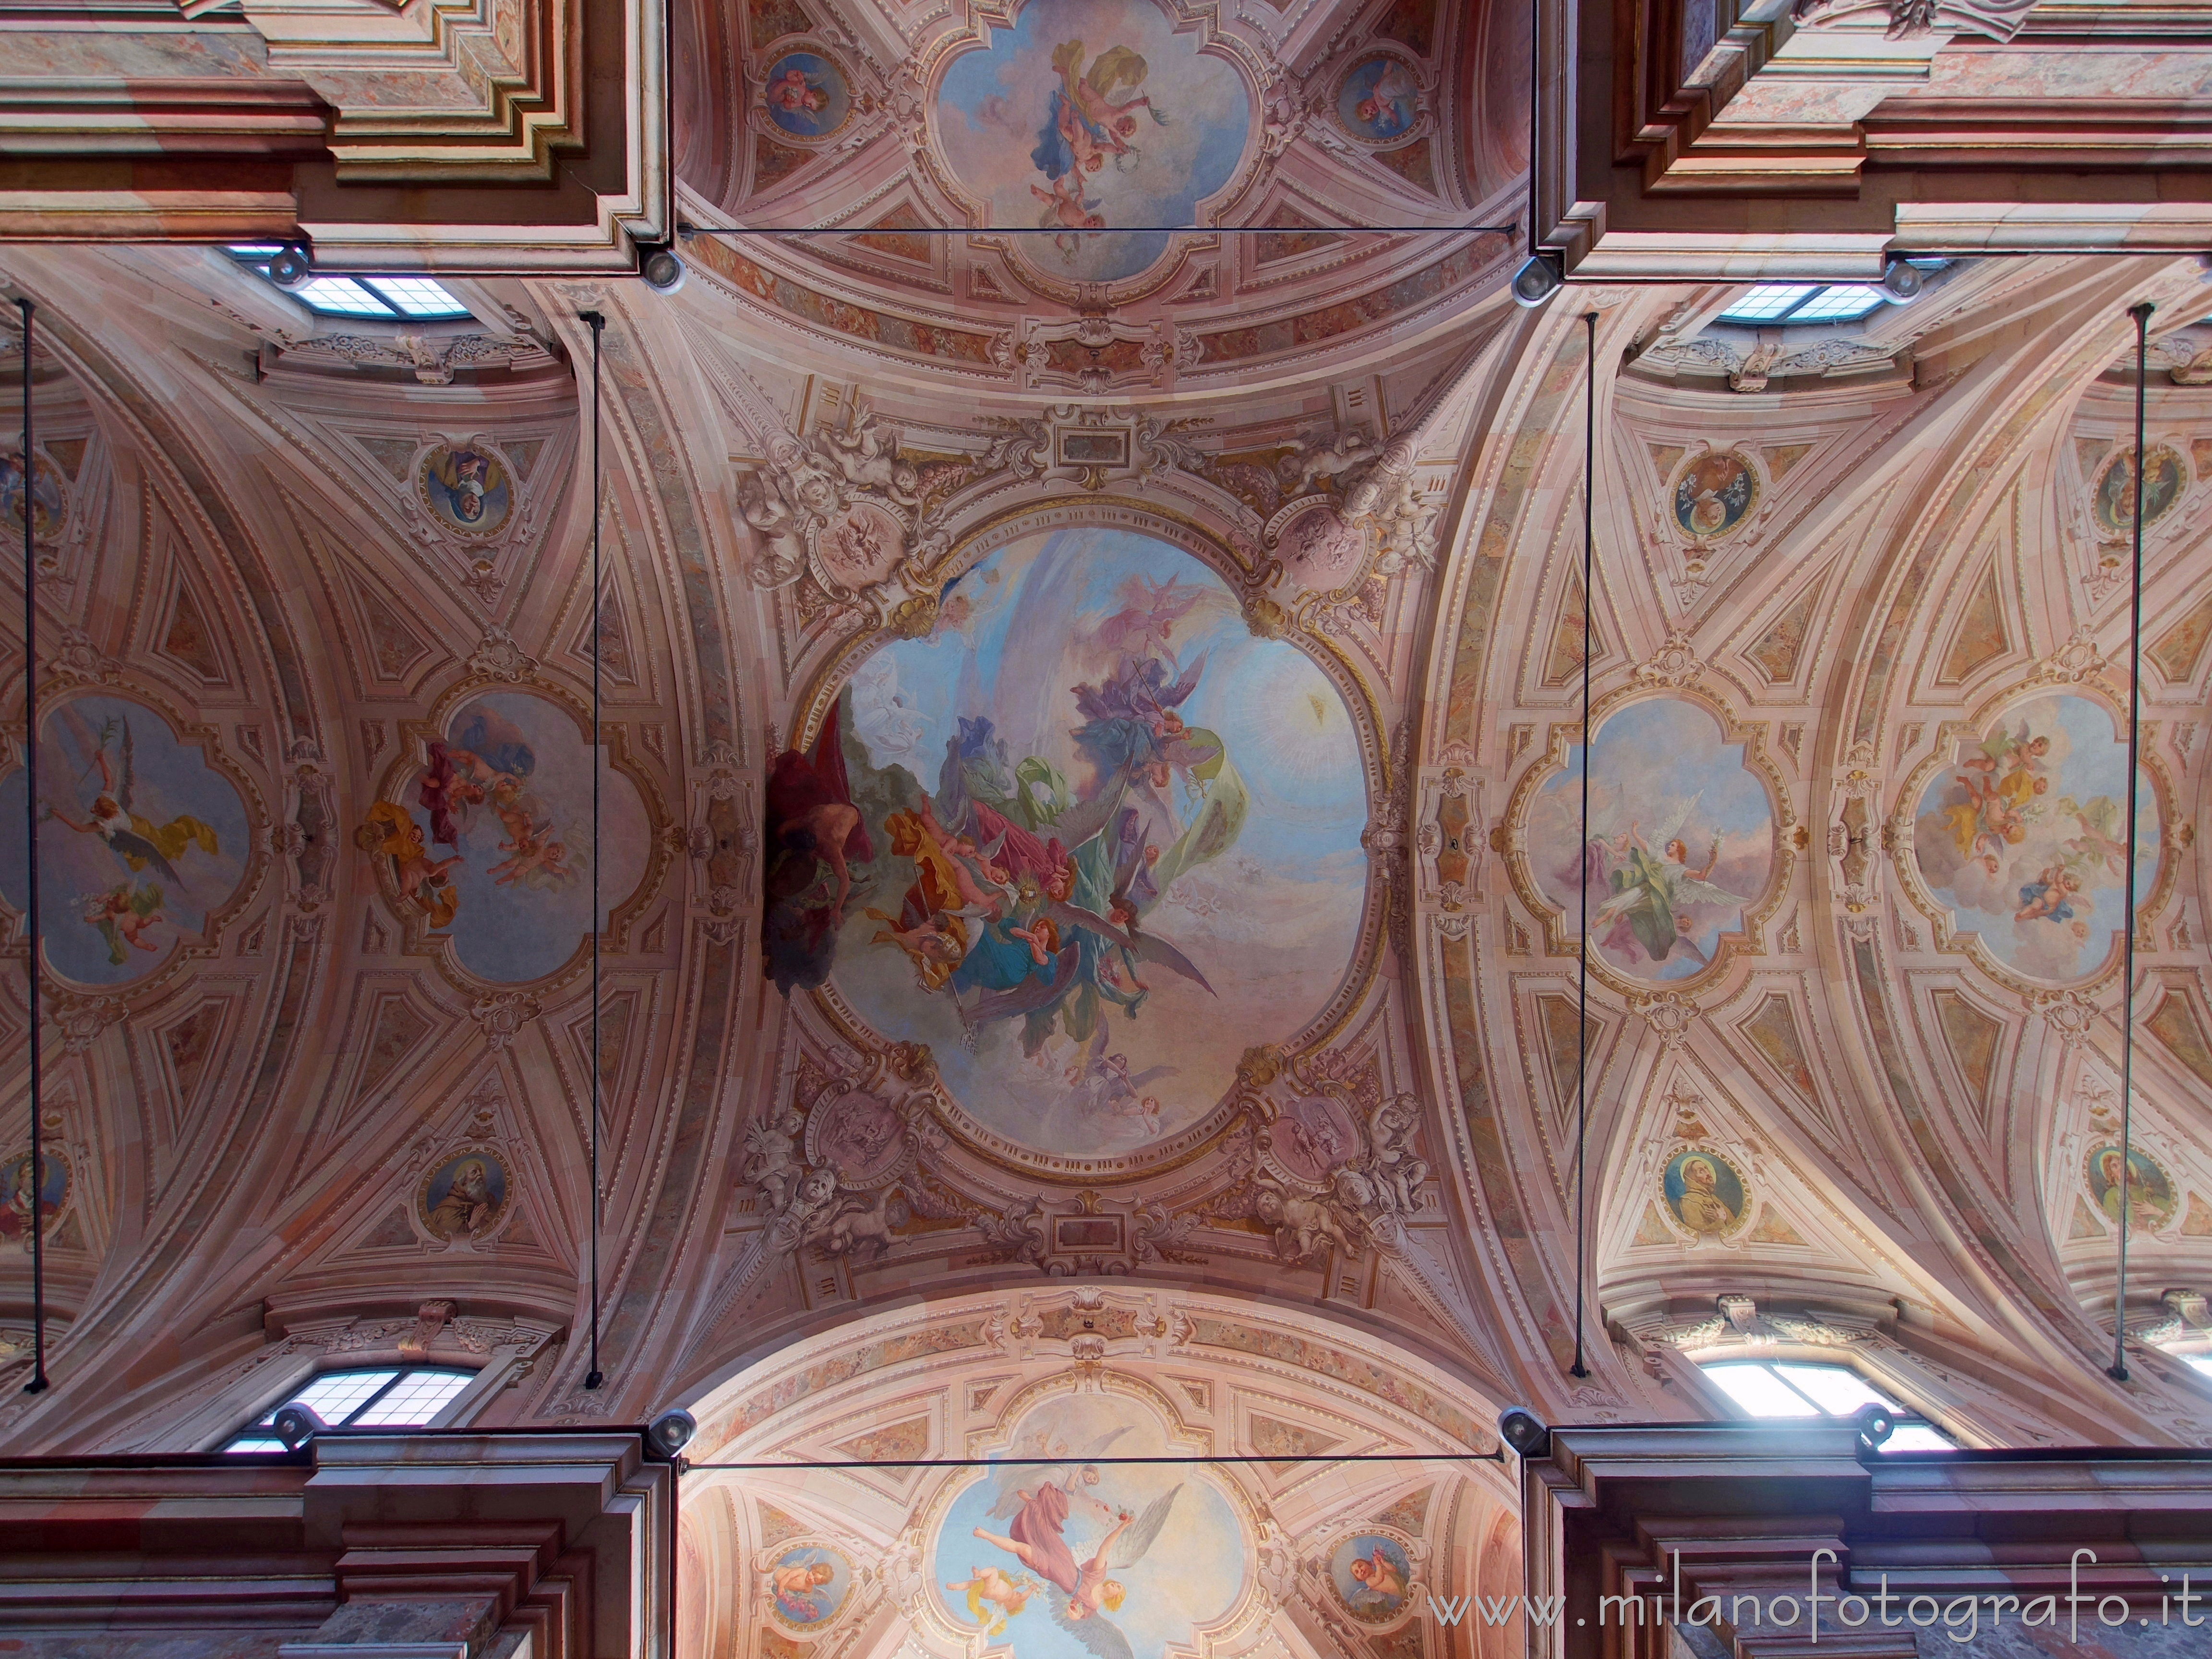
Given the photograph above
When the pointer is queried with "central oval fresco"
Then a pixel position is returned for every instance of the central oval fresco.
(1097, 840)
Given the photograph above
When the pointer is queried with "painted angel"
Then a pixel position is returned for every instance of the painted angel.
(131, 836)
(1081, 1594)
(1038, 1461)
(1652, 891)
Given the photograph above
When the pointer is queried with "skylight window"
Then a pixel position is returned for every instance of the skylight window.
(397, 299)
(1803, 302)
(1783, 1388)
(386, 1397)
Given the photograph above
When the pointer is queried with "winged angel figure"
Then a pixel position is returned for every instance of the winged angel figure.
(1651, 890)
(1083, 1594)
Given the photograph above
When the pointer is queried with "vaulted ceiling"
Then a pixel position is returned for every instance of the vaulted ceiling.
(1293, 1059)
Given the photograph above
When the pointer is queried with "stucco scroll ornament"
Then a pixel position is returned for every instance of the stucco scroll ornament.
(846, 508)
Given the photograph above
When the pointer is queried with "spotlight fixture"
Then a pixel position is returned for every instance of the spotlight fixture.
(296, 1424)
(1876, 1424)
(1539, 279)
(291, 266)
(1521, 1429)
(661, 269)
(672, 1431)
(1901, 281)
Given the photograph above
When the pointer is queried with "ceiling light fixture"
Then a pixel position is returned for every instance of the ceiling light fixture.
(1538, 280)
(1901, 281)
(662, 269)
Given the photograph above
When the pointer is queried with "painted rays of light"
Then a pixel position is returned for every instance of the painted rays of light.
(1681, 838)
(2021, 838)
(1091, 840)
(1098, 122)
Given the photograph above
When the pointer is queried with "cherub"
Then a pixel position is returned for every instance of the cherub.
(541, 864)
(2052, 895)
(1009, 1594)
(122, 915)
(792, 1587)
(1379, 1578)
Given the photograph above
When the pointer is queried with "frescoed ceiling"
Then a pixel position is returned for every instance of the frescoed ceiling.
(1091, 865)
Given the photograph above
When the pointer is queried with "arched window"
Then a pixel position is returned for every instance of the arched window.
(379, 1397)
(1790, 1387)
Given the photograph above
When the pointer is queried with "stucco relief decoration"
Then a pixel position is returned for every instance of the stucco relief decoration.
(1344, 490)
(141, 841)
(1682, 849)
(1076, 1558)
(504, 784)
(1340, 1161)
(845, 507)
(1098, 120)
(1087, 841)
(2019, 836)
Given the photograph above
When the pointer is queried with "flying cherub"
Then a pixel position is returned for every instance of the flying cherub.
(1113, 125)
(1008, 1593)
(130, 835)
(1379, 1579)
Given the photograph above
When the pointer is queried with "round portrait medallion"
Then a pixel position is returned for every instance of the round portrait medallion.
(467, 490)
(465, 1195)
(1713, 495)
(1705, 1193)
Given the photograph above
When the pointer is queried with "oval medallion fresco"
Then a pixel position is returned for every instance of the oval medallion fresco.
(1097, 120)
(1705, 1193)
(489, 842)
(467, 490)
(2147, 1194)
(139, 840)
(1090, 840)
(1371, 1576)
(808, 1584)
(2114, 498)
(1378, 101)
(2022, 838)
(1031, 1554)
(465, 1195)
(41, 497)
(807, 95)
(1714, 494)
(48, 1197)
(1681, 838)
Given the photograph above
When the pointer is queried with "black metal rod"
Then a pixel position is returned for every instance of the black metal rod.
(594, 1378)
(1495, 1455)
(1581, 956)
(1050, 230)
(38, 1382)
(2119, 1369)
